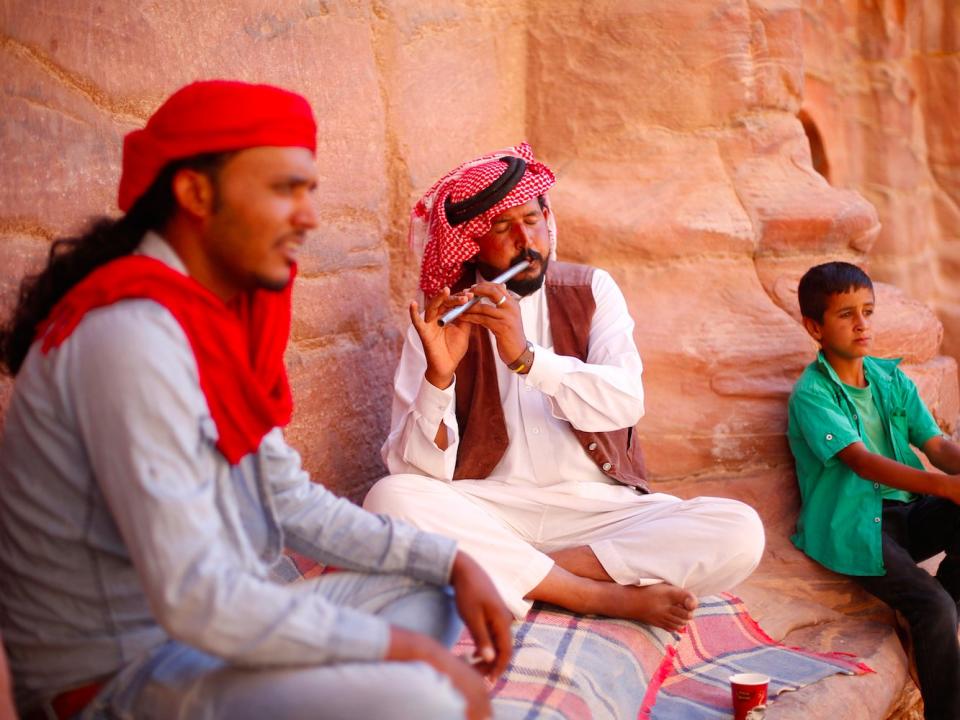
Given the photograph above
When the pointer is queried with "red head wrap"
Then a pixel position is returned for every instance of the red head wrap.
(238, 346)
(209, 117)
(448, 241)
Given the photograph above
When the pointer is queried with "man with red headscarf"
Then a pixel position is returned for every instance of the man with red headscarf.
(513, 425)
(146, 490)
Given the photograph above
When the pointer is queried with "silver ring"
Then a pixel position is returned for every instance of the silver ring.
(502, 300)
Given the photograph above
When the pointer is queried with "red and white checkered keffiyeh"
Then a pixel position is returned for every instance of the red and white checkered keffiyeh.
(445, 248)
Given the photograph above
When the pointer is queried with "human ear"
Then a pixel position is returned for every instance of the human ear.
(813, 328)
(194, 192)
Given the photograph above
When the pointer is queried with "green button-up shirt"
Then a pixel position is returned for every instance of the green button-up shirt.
(840, 516)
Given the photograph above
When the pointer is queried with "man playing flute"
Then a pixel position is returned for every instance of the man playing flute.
(513, 426)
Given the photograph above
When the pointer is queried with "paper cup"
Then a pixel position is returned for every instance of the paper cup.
(749, 691)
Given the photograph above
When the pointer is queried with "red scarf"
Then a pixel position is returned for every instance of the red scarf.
(238, 346)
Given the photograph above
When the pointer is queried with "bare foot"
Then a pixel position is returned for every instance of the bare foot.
(663, 605)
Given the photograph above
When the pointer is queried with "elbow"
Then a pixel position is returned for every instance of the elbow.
(633, 414)
(857, 458)
(184, 618)
(191, 611)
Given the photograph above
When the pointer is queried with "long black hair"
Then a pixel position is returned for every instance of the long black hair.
(71, 259)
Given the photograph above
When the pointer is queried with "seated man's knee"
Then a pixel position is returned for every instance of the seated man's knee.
(742, 535)
(392, 494)
(753, 538)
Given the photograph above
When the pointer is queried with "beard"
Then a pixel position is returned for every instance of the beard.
(526, 286)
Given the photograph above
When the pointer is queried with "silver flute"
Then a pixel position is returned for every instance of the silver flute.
(503, 277)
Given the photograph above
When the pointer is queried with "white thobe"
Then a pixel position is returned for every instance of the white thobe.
(546, 493)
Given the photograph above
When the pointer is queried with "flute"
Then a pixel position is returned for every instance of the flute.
(503, 277)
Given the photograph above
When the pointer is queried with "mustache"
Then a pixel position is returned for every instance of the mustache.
(529, 255)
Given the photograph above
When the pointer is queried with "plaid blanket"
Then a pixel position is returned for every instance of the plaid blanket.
(567, 667)
(723, 640)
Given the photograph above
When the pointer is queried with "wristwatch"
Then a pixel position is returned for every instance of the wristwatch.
(522, 364)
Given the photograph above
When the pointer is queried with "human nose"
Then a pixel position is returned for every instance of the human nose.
(862, 321)
(521, 235)
(306, 213)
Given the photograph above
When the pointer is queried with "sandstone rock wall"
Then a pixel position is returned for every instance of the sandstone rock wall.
(708, 153)
(673, 127)
(882, 82)
(401, 91)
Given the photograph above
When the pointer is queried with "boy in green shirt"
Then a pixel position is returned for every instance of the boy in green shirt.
(869, 509)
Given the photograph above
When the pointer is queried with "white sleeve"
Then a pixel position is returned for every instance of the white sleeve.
(418, 410)
(605, 392)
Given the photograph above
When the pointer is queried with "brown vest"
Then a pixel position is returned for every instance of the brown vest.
(483, 430)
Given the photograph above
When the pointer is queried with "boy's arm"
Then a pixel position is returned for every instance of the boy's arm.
(878, 468)
(943, 453)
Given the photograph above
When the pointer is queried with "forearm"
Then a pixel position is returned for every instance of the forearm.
(605, 392)
(423, 435)
(878, 468)
(591, 396)
(360, 540)
(328, 528)
(944, 454)
(423, 425)
(418, 446)
(247, 620)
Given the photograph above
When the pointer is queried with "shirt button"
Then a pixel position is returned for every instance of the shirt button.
(536, 431)
(876, 519)
(592, 446)
(527, 388)
(606, 467)
(828, 436)
(854, 417)
(876, 486)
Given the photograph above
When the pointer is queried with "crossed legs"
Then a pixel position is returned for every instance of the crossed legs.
(646, 558)
(578, 582)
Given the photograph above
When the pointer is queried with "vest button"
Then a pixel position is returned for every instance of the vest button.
(592, 446)
(606, 467)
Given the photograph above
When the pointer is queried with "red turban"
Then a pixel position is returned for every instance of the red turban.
(209, 117)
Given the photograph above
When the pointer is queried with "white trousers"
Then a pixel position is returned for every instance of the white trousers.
(705, 545)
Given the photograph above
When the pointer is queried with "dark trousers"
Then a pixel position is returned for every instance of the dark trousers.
(913, 532)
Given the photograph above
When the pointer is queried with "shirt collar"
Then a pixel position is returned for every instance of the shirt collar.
(153, 245)
(871, 370)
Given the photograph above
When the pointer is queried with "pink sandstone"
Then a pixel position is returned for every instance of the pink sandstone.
(681, 133)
